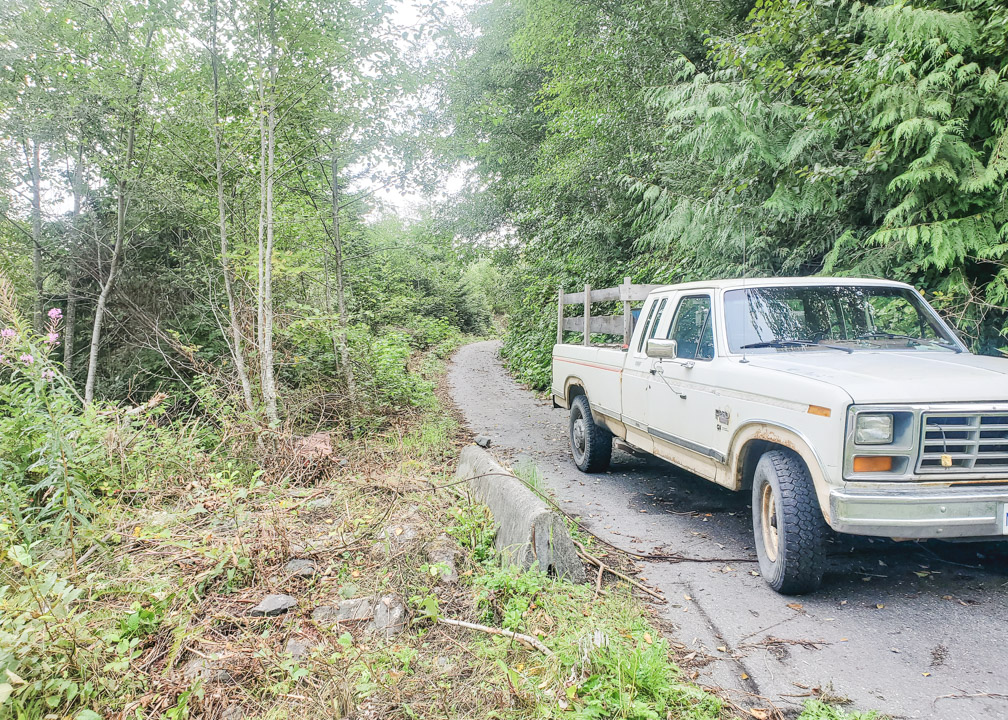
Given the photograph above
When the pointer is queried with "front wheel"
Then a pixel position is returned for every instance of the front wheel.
(591, 444)
(788, 526)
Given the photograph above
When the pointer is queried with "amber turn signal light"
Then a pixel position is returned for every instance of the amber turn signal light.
(873, 464)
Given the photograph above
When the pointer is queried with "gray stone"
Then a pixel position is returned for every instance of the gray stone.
(400, 533)
(386, 614)
(300, 568)
(528, 531)
(233, 712)
(274, 605)
(389, 616)
(482, 440)
(321, 503)
(298, 647)
(209, 670)
(440, 552)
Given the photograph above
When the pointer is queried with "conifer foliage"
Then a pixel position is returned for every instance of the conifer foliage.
(699, 140)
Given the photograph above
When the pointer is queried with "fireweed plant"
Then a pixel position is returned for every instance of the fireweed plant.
(45, 443)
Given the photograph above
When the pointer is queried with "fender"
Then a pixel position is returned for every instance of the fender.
(564, 401)
(775, 433)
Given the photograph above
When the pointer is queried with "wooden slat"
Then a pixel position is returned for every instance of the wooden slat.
(608, 324)
(606, 294)
(625, 292)
(559, 316)
(586, 340)
(634, 293)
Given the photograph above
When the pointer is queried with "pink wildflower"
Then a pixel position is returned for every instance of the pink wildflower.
(52, 338)
(55, 314)
(48, 374)
(7, 333)
(27, 359)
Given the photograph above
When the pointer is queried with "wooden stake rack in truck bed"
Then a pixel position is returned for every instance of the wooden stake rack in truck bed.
(627, 293)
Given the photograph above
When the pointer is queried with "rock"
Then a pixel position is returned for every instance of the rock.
(298, 647)
(272, 605)
(482, 440)
(233, 712)
(394, 537)
(386, 615)
(400, 533)
(209, 670)
(321, 503)
(300, 568)
(389, 616)
(440, 552)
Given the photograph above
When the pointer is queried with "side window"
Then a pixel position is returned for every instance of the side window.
(692, 328)
(653, 320)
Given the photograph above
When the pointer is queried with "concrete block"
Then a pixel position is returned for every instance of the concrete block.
(529, 532)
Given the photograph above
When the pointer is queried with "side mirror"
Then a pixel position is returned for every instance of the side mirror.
(661, 348)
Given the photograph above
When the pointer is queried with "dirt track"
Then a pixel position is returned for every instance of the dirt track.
(913, 630)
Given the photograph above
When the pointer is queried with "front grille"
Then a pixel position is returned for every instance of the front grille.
(975, 442)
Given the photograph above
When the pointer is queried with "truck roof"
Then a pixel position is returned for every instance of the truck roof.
(732, 283)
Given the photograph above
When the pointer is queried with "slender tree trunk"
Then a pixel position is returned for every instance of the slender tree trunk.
(260, 312)
(236, 339)
(268, 379)
(70, 318)
(70, 325)
(328, 301)
(121, 188)
(31, 150)
(340, 293)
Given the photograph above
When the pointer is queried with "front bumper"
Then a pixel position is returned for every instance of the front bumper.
(915, 512)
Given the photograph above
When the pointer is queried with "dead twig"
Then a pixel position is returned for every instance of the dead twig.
(526, 640)
(603, 567)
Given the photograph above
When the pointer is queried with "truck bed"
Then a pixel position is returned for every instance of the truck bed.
(599, 370)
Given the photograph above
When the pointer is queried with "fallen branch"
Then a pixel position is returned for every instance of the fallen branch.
(526, 640)
(603, 567)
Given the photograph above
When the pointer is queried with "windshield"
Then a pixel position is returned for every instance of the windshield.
(842, 317)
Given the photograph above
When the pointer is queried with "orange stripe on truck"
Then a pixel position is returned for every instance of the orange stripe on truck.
(588, 364)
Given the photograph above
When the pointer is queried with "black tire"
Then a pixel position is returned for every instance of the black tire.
(791, 553)
(590, 443)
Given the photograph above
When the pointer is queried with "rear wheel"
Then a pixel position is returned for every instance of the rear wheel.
(787, 524)
(591, 444)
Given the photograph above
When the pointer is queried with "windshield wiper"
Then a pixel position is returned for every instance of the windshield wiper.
(911, 340)
(794, 343)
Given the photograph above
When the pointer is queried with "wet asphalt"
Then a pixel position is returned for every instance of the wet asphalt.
(914, 630)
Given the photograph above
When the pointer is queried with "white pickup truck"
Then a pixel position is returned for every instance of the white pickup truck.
(842, 403)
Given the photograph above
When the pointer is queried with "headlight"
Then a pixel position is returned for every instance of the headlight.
(873, 429)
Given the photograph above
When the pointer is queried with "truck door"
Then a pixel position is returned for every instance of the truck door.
(637, 374)
(682, 404)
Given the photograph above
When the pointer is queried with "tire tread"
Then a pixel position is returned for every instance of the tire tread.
(598, 440)
(800, 549)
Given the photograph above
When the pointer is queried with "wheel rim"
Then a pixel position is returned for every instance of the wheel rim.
(768, 518)
(578, 438)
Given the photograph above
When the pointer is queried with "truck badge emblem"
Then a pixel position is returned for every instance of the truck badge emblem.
(946, 460)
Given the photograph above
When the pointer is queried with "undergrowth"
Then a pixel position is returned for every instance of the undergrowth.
(141, 609)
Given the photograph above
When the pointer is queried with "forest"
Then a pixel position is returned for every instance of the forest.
(227, 226)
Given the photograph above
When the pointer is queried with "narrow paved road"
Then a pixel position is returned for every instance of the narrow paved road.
(913, 630)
